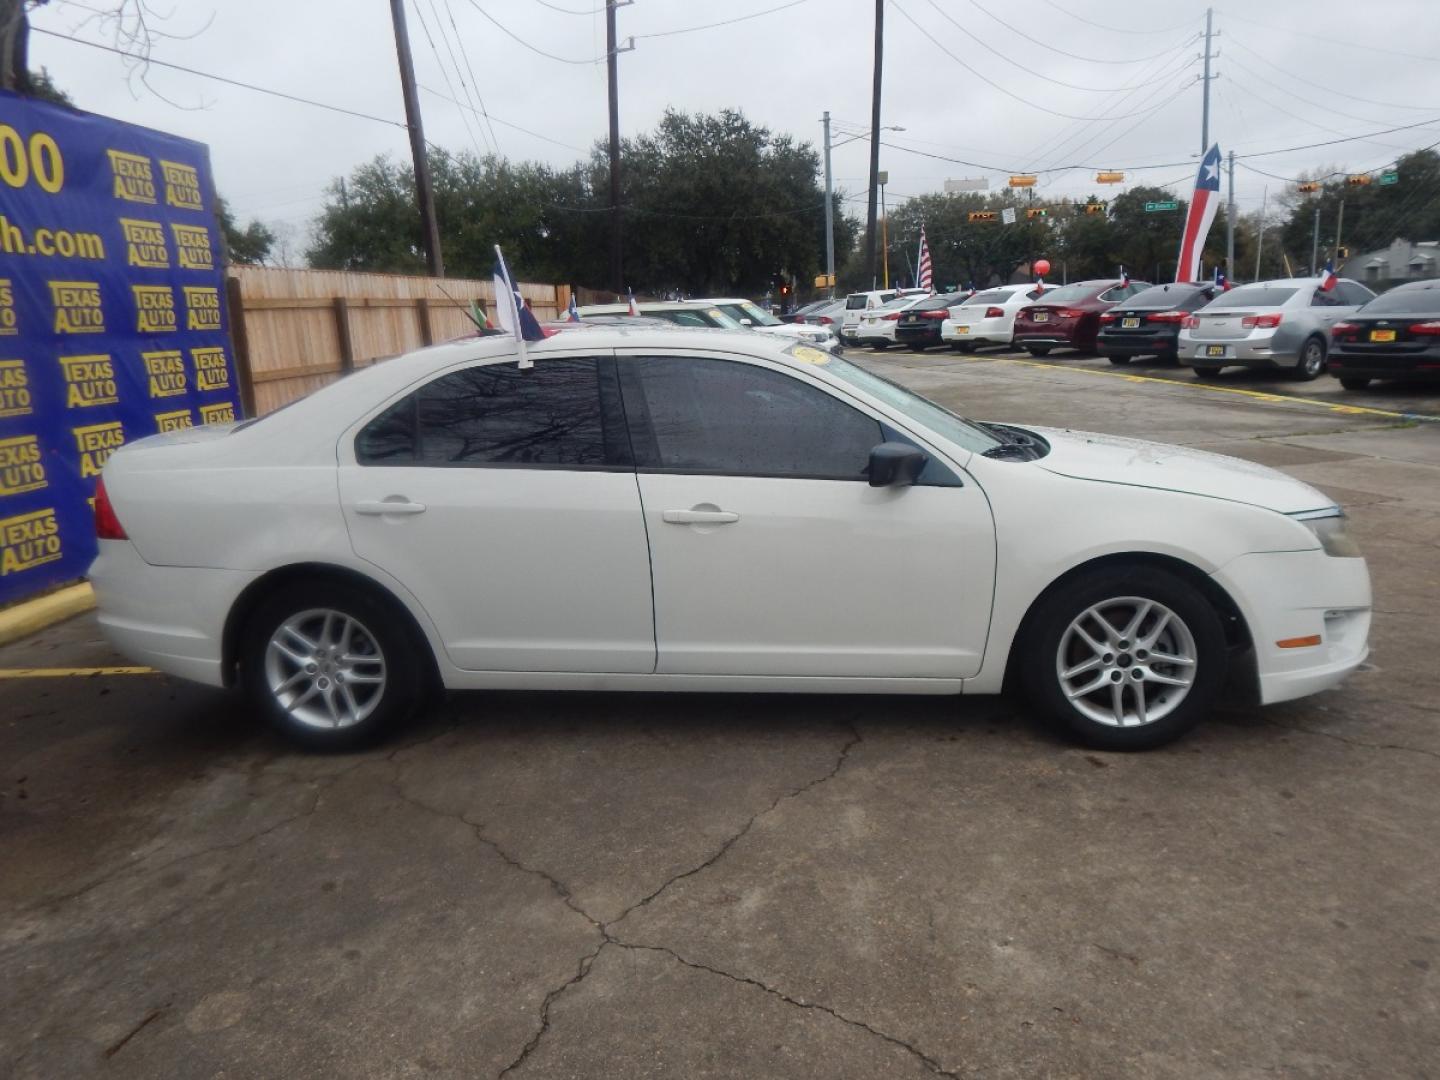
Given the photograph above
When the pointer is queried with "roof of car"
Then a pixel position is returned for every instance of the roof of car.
(644, 305)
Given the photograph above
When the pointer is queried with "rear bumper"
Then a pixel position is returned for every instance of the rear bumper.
(1300, 594)
(978, 331)
(1261, 351)
(922, 335)
(170, 618)
(1157, 345)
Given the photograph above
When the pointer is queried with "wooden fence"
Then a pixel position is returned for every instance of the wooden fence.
(297, 330)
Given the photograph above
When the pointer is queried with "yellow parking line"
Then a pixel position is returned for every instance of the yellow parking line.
(71, 672)
(1258, 395)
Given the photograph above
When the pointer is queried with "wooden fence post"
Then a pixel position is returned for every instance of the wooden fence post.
(347, 343)
(240, 346)
(427, 330)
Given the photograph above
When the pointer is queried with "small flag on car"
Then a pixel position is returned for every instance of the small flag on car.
(1221, 281)
(572, 313)
(634, 308)
(1124, 278)
(1327, 276)
(515, 317)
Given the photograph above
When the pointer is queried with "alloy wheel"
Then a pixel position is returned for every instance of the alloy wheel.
(1126, 662)
(325, 668)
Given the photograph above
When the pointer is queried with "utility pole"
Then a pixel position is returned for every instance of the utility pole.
(884, 177)
(829, 210)
(1230, 223)
(1205, 109)
(1260, 242)
(874, 139)
(1315, 244)
(425, 194)
(1339, 224)
(612, 65)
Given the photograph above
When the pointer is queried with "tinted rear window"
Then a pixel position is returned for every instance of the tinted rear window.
(858, 301)
(993, 297)
(1160, 296)
(1405, 301)
(1253, 296)
(1068, 294)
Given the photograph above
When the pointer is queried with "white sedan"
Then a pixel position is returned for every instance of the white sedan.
(877, 326)
(987, 318)
(654, 508)
(757, 318)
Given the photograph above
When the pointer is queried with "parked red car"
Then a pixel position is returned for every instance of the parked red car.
(1068, 316)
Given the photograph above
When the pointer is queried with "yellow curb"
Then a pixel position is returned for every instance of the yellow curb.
(71, 672)
(28, 618)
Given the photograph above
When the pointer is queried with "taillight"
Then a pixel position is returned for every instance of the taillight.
(892, 317)
(826, 320)
(1069, 313)
(1268, 321)
(1189, 322)
(107, 525)
(1168, 317)
(994, 313)
(1425, 329)
(798, 319)
(941, 314)
(1107, 318)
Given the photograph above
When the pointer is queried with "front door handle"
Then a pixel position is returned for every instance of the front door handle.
(393, 505)
(699, 516)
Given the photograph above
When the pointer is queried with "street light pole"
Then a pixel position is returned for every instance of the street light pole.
(829, 211)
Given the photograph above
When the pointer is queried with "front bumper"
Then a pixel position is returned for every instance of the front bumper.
(171, 618)
(1290, 595)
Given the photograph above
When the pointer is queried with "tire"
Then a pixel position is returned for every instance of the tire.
(1108, 599)
(1354, 382)
(1311, 364)
(1206, 373)
(879, 346)
(967, 347)
(1121, 360)
(315, 625)
(1037, 350)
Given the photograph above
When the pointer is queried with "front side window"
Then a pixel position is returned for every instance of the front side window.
(498, 415)
(729, 418)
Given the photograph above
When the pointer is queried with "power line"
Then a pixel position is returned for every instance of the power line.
(1289, 30)
(1330, 89)
(1074, 56)
(1115, 29)
(219, 78)
(459, 37)
(425, 27)
(1251, 73)
(505, 123)
(1031, 71)
(986, 79)
(517, 38)
(723, 22)
(569, 11)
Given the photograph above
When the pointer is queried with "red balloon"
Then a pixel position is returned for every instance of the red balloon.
(1042, 267)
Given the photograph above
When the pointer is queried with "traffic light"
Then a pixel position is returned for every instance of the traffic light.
(981, 215)
(1037, 212)
(1095, 208)
(1342, 253)
(1308, 186)
(1358, 179)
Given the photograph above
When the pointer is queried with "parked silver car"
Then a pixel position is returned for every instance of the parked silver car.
(1271, 324)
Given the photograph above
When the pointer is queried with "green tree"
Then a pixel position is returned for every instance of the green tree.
(250, 245)
(1148, 243)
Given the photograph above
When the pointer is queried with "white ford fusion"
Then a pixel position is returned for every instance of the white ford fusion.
(670, 509)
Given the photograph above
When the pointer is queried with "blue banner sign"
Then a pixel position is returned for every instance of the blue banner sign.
(112, 319)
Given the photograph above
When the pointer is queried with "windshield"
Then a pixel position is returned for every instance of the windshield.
(721, 319)
(1067, 294)
(1424, 301)
(935, 417)
(757, 315)
(1252, 296)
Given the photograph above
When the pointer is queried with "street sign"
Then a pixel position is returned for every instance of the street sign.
(1110, 178)
(1007, 216)
(882, 177)
(967, 183)
(1154, 207)
(981, 215)
(1387, 178)
(1022, 181)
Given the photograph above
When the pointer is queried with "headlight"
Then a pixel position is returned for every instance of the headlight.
(1329, 528)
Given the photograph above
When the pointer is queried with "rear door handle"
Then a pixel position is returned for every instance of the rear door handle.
(699, 517)
(394, 505)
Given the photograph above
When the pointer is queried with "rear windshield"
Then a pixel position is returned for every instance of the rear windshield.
(1158, 296)
(859, 301)
(897, 302)
(1067, 294)
(935, 303)
(992, 297)
(1405, 301)
(1253, 296)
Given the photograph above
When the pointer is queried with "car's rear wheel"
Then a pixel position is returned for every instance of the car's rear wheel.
(1126, 658)
(1354, 382)
(1312, 359)
(1119, 359)
(1206, 372)
(964, 346)
(879, 346)
(331, 665)
(1037, 350)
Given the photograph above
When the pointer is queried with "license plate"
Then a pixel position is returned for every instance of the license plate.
(1382, 335)
(962, 329)
(1215, 350)
(1041, 316)
(1129, 324)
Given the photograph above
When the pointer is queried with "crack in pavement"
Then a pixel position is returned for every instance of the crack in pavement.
(1354, 742)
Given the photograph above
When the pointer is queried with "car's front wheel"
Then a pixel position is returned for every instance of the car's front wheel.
(331, 666)
(1126, 658)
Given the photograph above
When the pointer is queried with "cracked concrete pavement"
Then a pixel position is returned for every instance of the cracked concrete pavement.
(665, 886)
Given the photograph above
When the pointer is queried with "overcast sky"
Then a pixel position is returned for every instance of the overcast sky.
(272, 158)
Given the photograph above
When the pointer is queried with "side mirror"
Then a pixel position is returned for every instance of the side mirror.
(896, 464)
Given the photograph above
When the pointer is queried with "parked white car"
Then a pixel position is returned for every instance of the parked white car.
(1271, 324)
(858, 303)
(987, 318)
(877, 326)
(757, 318)
(654, 508)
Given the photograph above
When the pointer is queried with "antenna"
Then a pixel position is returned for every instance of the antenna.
(468, 313)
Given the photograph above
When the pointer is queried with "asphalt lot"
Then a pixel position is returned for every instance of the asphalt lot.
(646, 886)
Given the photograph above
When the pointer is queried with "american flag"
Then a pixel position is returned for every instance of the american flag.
(926, 276)
(1201, 216)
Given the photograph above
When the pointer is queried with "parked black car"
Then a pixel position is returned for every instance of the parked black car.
(919, 326)
(1394, 336)
(1148, 324)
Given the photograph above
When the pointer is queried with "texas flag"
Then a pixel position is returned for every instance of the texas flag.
(634, 308)
(572, 313)
(515, 318)
(1203, 206)
(1327, 276)
(1124, 278)
(1221, 281)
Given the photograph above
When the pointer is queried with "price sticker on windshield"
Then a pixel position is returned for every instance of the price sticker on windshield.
(806, 355)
